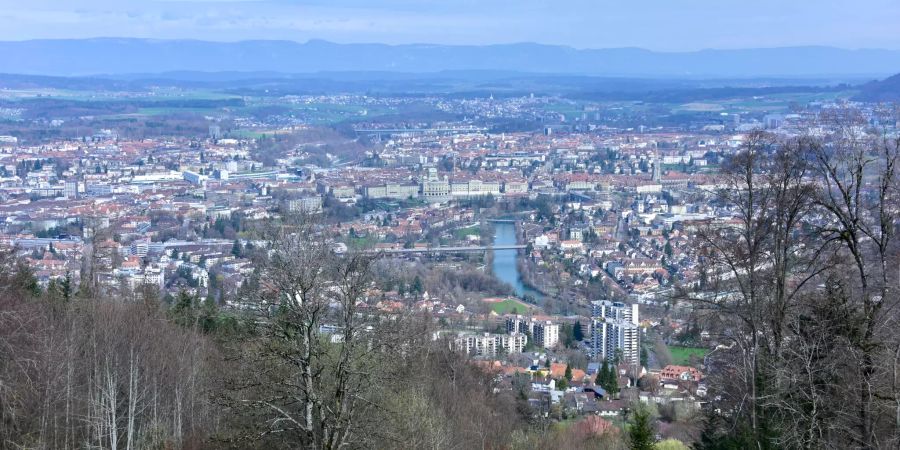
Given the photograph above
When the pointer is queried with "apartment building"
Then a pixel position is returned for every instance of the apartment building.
(489, 344)
(614, 332)
(544, 332)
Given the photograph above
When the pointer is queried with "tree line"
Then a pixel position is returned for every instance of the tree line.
(800, 291)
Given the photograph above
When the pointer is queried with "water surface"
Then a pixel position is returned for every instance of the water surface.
(504, 266)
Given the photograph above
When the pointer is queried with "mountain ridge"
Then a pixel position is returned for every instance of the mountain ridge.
(116, 56)
(886, 90)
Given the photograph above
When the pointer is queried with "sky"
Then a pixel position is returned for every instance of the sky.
(662, 25)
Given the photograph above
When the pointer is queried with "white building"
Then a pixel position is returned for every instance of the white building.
(545, 333)
(489, 344)
(305, 204)
(140, 247)
(615, 331)
(194, 178)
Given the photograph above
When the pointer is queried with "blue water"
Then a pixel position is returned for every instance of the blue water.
(504, 265)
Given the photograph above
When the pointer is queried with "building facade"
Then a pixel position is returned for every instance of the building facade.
(544, 332)
(614, 332)
(489, 344)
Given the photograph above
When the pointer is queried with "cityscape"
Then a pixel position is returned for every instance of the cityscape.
(462, 256)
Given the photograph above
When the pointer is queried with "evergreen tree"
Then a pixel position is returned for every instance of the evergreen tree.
(577, 334)
(568, 374)
(640, 432)
(208, 315)
(608, 379)
(602, 375)
(417, 285)
(184, 310)
(66, 286)
(219, 224)
(612, 381)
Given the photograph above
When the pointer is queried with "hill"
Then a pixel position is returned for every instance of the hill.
(118, 56)
(887, 90)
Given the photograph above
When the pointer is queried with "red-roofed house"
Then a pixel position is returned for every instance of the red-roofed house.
(680, 373)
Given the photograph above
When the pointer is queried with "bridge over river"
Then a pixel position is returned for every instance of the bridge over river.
(469, 248)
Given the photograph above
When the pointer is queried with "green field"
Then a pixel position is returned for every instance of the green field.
(361, 242)
(511, 306)
(169, 110)
(461, 233)
(682, 355)
(763, 103)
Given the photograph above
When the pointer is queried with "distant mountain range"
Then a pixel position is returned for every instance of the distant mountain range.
(115, 56)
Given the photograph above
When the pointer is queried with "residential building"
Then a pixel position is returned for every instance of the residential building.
(489, 344)
(544, 332)
(614, 332)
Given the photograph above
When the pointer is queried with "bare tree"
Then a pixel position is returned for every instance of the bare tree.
(320, 352)
(99, 374)
(858, 198)
(753, 269)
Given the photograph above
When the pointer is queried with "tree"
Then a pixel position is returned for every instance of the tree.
(593, 427)
(640, 430)
(184, 311)
(577, 334)
(810, 265)
(568, 373)
(602, 374)
(758, 265)
(99, 374)
(671, 444)
(608, 379)
(858, 192)
(302, 385)
(417, 285)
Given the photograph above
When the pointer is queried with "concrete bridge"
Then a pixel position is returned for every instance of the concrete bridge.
(410, 131)
(479, 248)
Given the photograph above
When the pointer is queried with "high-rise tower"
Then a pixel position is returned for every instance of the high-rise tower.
(657, 167)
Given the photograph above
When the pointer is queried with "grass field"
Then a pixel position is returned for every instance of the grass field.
(169, 110)
(701, 107)
(682, 355)
(461, 233)
(765, 103)
(361, 242)
(511, 306)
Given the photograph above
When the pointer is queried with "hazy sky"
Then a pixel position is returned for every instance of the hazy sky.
(653, 24)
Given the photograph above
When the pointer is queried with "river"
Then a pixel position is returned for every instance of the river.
(504, 266)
